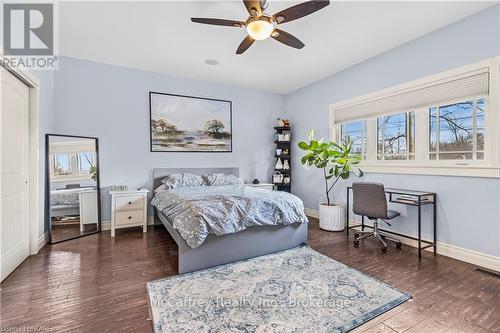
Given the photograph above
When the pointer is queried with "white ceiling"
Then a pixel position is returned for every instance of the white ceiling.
(159, 37)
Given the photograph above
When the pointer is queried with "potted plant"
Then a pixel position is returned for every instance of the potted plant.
(337, 162)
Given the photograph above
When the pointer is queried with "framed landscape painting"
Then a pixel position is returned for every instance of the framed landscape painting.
(189, 124)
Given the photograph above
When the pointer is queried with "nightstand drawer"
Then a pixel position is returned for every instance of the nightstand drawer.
(130, 217)
(129, 202)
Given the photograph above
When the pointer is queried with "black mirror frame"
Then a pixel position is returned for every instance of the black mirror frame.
(47, 187)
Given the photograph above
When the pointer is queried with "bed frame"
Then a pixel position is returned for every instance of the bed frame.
(219, 250)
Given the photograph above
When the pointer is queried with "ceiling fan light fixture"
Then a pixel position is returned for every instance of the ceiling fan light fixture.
(260, 29)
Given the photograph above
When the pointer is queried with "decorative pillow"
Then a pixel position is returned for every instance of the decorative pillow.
(182, 180)
(160, 188)
(218, 179)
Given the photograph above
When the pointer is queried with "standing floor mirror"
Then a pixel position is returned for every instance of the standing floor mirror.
(73, 205)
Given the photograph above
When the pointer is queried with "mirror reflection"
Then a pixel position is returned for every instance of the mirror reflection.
(73, 186)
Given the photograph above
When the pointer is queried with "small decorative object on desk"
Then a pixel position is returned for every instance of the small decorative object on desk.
(119, 188)
(255, 181)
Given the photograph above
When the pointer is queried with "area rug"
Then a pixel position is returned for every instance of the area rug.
(298, 290)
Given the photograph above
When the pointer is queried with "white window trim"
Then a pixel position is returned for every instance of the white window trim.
(375, 139)
(489, 167)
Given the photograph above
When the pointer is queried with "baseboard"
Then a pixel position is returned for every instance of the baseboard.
(447, 250)
(43, 240)
(311, 213)
(106, 225)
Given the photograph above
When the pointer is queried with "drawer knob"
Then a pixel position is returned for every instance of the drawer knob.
(130, 217)
(130, 202)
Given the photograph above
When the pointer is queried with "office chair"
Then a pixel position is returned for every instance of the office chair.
(369, 200)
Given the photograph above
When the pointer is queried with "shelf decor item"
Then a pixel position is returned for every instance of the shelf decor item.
(286, 165)
(277, 177)
(337, 162)
(279, 165)
(119, 188)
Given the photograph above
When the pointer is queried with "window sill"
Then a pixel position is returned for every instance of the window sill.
(434, 170)
(70, 179)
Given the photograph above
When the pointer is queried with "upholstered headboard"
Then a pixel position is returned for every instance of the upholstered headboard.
(160, 173)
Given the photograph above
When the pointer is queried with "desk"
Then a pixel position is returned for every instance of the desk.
(418, 199)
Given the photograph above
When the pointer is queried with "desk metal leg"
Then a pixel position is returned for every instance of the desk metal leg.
(347, 212)
(434, 223)
(362, 223)
(419, 209)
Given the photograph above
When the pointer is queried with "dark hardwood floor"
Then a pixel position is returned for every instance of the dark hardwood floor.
(97, 284)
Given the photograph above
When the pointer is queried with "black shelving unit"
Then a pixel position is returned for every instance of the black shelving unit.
(287, 187)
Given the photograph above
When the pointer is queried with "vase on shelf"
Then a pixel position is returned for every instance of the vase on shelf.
(286, 165)
(279, 164)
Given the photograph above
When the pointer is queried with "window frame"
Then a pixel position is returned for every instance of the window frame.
(364, 152)
(75, 171)
(421, 164)
(474, 151)
(406, 113)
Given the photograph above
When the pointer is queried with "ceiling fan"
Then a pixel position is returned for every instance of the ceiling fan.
(261, 26)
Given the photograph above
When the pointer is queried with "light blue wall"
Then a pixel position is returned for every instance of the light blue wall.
(469, 208)
(111, 103)
(45, 125)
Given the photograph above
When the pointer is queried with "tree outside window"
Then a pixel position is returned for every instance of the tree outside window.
(396, 136)
(457, 131)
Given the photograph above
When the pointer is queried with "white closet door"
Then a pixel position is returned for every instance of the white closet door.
(14, 168)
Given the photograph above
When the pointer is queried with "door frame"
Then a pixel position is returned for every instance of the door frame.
(36, 241)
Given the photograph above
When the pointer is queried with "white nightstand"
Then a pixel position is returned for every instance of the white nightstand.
(262, 186)
(129, 209)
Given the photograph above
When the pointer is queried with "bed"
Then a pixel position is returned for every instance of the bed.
(216, 250)
(66, 202)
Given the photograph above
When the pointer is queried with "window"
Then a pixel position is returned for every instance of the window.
(67, 165)
(443, 124)
(456, 131)
(355, 130)
(396, 137)
(62, 165)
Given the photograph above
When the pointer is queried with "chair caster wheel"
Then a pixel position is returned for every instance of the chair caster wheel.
(384, 249)
(398, 245)
(356, 243)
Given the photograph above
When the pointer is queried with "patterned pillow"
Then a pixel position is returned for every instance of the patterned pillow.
(219, 179)
(182, 180)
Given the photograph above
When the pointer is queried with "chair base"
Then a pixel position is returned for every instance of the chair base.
(382, 237)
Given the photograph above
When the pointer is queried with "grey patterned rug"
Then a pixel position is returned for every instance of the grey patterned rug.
(298, 290)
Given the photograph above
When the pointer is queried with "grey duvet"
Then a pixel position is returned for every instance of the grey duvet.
(197, 212)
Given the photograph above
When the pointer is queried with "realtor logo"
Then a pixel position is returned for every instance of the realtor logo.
(28, 29)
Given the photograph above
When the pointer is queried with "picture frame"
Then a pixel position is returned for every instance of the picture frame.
(181, 123)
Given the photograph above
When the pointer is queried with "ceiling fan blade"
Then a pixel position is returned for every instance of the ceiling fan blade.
(213, 21)
(245, 44)
(287, 39)
(253, 7)
(300, 10)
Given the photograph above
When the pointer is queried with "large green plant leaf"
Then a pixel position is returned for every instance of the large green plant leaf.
(337, 157)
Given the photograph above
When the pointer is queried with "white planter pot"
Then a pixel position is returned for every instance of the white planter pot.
(332, 218)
